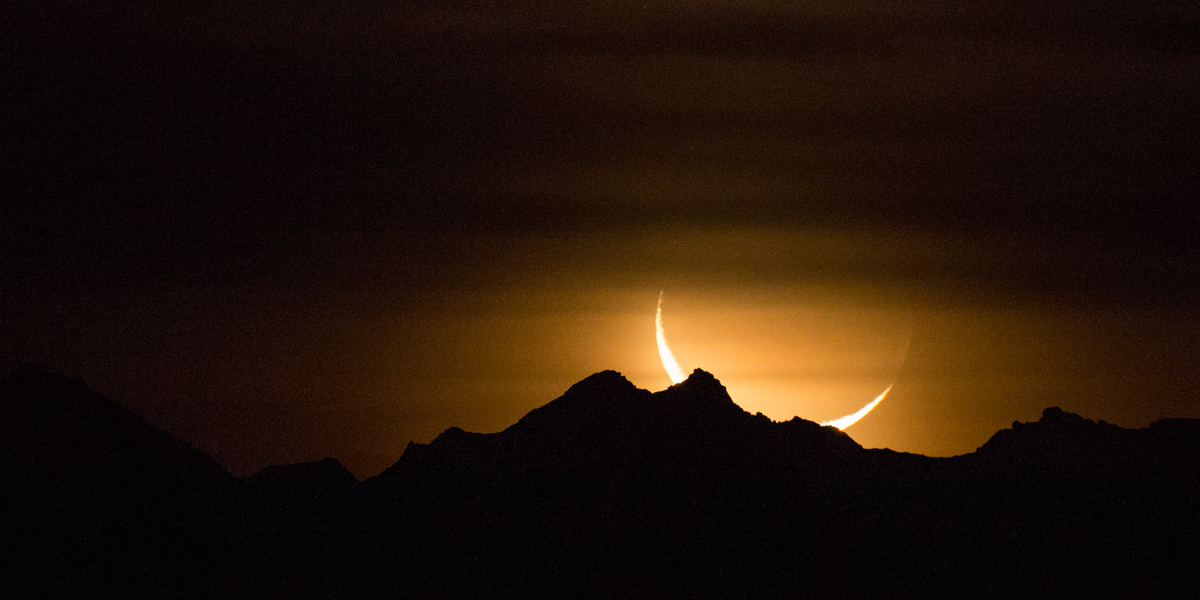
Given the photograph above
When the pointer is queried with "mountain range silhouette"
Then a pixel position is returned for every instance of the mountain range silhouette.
(608, 491)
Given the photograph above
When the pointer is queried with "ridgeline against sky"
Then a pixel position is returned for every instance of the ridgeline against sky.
(607, 491)
(287, 230)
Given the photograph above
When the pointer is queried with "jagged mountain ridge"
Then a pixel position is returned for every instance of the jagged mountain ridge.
(1069, 444)
(607, 491)
(1024, 514)
(56, 427)
(605, 423)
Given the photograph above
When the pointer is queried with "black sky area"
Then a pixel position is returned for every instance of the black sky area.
(228, 143)
(179, 173)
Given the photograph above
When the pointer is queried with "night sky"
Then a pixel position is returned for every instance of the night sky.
(285, 230)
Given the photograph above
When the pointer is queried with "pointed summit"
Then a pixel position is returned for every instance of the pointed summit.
(51, 423)
(607, 426)
(701, 377)
(604, 382)
(601, 397)
(700, 394)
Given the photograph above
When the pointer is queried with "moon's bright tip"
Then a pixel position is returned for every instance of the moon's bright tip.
(677, 374)
(664, 351)
(852, 418)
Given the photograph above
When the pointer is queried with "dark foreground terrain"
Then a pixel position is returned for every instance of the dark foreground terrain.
(608, 491)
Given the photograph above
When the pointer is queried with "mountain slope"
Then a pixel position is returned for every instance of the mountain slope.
(604, 425)
(608, 491)
(97, 502)
(680, 493)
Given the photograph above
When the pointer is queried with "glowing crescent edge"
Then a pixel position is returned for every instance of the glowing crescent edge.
(852, 418)
(677, 376)
(664, 351)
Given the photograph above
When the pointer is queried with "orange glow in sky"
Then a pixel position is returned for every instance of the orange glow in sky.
(788, 360)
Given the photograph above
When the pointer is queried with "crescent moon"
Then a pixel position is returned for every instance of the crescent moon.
(664, 351)
(852, 418)
(676, 374)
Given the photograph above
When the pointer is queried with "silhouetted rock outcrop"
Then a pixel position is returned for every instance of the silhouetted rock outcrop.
(610, 476)
(55, 430)
(1069, 445)
(95, 503)
(98, 503)
(608, 491)
(604, 426)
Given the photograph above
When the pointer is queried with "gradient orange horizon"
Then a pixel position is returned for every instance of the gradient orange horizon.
(359, 375)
